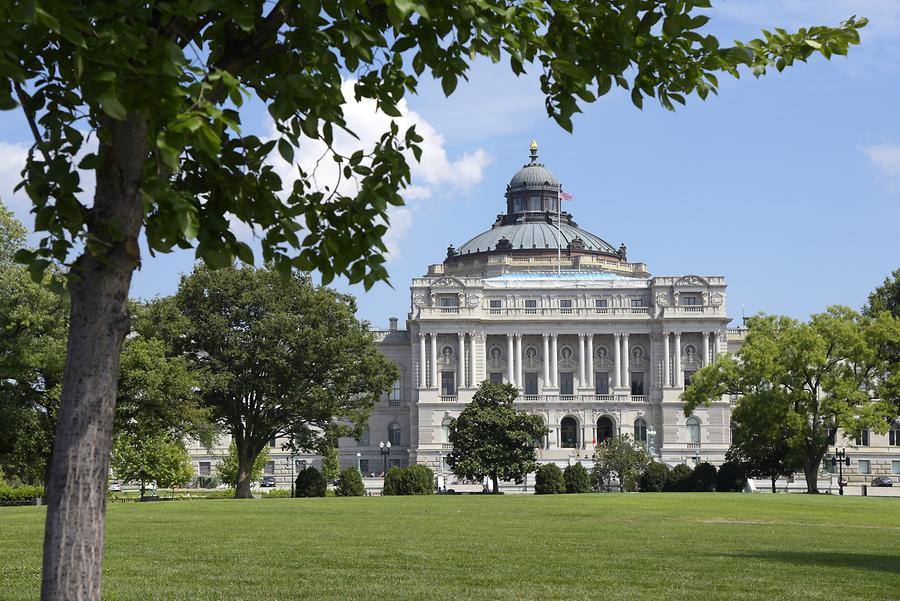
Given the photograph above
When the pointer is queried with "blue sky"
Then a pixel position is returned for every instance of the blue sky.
(787, 185)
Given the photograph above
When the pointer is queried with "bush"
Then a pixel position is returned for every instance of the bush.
(392, 482)
(222, 493)
(680, 479)
(655, 478)
(704, 478)
(278, 493)
(311, 483)
(416, 480)
(207, 481)
(577, 479)
(549, 480)
(19, 494)
(350, 483)
(731, 477)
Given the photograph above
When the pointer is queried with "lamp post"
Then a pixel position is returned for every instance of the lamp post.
(651, 442)
(358, 464)
(385, 451)
(291, 459)
(143, 479)
(840, 459)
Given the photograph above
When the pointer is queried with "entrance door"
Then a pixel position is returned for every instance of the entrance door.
(604, 429)
(566, 385)
(568, 433)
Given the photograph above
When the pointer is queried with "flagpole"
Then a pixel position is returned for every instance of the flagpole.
(558, 232)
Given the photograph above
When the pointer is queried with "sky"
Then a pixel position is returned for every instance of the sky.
(787, 185)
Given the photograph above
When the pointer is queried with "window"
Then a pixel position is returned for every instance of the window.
(534, 203)
(204, 468)
(269, 469)
(531, 383)
(364, 466)
(601, 303)
(829, 467)
(605, 429)
(445, 430)
(568, 433)
(640, 430)
(894, 436)
(565, 304)
(863, 439)
(688, 375)
(863, 466)
(394, 434)
(637, 383)
(518, 205)
(496, 377)
(831, 434)
(364, 437)
(394, 394)
(566, 383)
(895, 467)
(531, 306)
(601, 382)
(689, 300)
(693, 429)
(637, 302)
(449, 301)
(495, 305)
(272, 442)
(396, 463)
(448, 383)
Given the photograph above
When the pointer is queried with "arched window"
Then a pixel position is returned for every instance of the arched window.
(605, 429)
(394, 434)
(693, 428)
(568, 433)
(640, 430)
(445, 430)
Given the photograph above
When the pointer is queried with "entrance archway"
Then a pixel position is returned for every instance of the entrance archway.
(568, 433)
(605, 429)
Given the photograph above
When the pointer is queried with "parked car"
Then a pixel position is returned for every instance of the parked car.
(115, 487)
(882, 481)
(268, 482)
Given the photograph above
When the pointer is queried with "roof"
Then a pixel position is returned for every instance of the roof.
(533, 175)
(535, 235)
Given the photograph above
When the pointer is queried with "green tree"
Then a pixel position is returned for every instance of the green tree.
(763, 448)
(622, 458)
(798, 380)
(490, 438)
(331, 464)
(151, 457)
(577, 479)
(350, 484)
(161, 85)
(704, 478)
(680, 480)
(229, 470)
(279, 357)
(311, 483)
(655, 477)
(549, 480)
(416, 479)
(391, 484)
(887, 298)
(732, 475)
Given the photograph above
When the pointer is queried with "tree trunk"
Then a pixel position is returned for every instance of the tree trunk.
(773, 478)
(812, 478)
(76, 489)
(496, 484)
(246, 459)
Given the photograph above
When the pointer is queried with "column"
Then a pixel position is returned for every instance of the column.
(461, 382)
(520, 377)
(678, 375)
(704, 337)
(423, 366)
(546, 358)
(473, 371)
(581, 361)
(590, 361)
(666, 382)
(626, 367)
(509, 360)
(434, 375)
(617, 370)
(714, 343)
(554, 354)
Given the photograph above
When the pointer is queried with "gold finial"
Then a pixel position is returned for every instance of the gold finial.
(534, 144)
(534, 151)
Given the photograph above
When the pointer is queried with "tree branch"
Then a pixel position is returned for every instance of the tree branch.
(29, 116)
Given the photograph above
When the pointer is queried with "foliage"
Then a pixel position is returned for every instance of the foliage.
(331, 464)
(151, 457)
(576, 478)
(655, 477)
(885, 298)
(764, 449)
(680, 478)
(391, 485)
(227, 469)
(207, 481)
(278, 357)
(310, 483)
(490, 438)
(704, 478)
(350, 484)
(731, 477)
(19, 494)
(796, 380)
(276, 493)
(622, 458)
(416, 479)
(549, 480)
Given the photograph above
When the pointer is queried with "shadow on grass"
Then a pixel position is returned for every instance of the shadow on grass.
(889, 564)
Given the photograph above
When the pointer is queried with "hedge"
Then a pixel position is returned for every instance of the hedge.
(19, 494)
(549, 480)
(577, 479)
(350, 483)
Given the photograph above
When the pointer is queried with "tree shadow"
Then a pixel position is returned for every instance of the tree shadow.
(889, 564)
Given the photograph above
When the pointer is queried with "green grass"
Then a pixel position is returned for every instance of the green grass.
(611, 546)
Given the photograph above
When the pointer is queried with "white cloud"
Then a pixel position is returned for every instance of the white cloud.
(885, 158)
(883, 15)
(12, 161)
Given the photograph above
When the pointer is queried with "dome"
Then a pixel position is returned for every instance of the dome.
(535, 235)
(533, 175)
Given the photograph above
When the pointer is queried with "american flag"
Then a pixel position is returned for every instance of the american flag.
(565, 195)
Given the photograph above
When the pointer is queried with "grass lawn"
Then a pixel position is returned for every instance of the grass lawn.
(593, 546)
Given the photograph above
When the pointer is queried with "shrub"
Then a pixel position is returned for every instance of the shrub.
(416, 480)
(278, 493)
(19, 494)
(731, 477)
(704, 478)
(392, 482)
(577, 479)
(311, 483)
(680, 479)
(549, 480)
(350, 483)
(655, 478)
(221, 493)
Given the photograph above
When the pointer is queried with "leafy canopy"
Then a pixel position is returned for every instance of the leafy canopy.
(152, 457)
(620, 458)
(178, 74)
(228, 468)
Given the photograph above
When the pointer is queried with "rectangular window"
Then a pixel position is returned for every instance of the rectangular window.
(272, 443)
(495, 304)
(301, 464)
(637, 383)
(269, 469)
(894, 437)
(396, 463)
(496, 377)
(689, 300)
(394, 394)
(863, 439)
(566, 383)
(448, 383)
(449, 301)
(829, 467)
(864, 466)
(204, 468)
(601, 382)
(565, 304)
(531, 383)
(895, 467)
(364, 466)
(601, 303)
(531, 304)
(688, 374)
(637, 302)
(831, 434)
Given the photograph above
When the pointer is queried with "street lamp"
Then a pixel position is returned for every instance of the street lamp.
(840, 459)
(291, 459)
(385, 451)
(143, 479)
(358, 460)
(651, 442)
